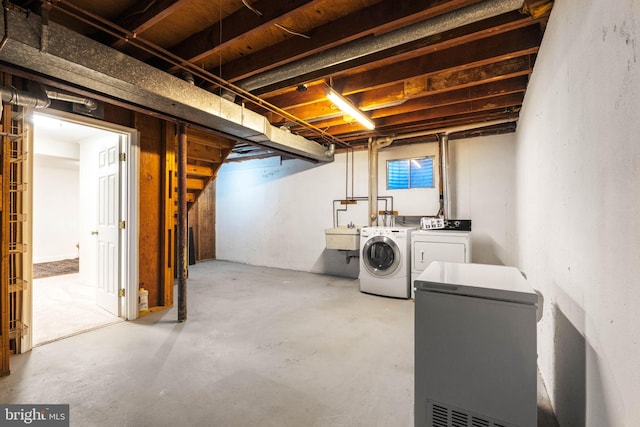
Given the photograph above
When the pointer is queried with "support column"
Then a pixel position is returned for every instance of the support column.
(182, 235)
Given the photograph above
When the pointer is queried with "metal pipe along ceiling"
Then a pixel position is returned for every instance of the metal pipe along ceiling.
(369, 45)
(25, 99)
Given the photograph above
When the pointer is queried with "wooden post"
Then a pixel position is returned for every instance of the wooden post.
(182, 233)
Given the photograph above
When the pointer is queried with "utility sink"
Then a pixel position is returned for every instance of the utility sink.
(343, 238)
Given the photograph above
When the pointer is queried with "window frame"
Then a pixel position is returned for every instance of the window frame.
(409, 160)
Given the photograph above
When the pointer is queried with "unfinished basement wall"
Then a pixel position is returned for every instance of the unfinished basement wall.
(274, 213)
(482, 182)
(578, 204)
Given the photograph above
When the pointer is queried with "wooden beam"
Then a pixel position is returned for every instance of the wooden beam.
(288, 97)
(194, 184)
(244, 21)
(399, 92)
(430, 99)
(198, 170)
(381, 17)
(169, 215)
(151, 196)
(208, 138)
(484, 104)
(5, 239)
(359, 138)
(338, 126)
(508, 45)
(475, 32)
(203, 152)
(512, 67)
(456, 97)
(138, 19)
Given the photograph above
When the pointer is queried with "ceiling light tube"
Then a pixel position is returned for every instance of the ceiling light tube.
(348, 108)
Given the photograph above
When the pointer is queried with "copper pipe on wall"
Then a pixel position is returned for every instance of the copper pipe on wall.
(182, 223)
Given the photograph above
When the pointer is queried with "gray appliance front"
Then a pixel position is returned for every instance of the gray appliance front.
(475, 356)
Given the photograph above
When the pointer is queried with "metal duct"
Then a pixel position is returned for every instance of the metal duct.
(90, 104)
(359, 48)
(453, 129)
(374, 146)
(331, 150)
(443, 139)
(73, 58)
(25, 99)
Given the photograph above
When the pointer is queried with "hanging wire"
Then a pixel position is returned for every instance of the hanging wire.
(251, 8)
(282, 27)
(151, 3)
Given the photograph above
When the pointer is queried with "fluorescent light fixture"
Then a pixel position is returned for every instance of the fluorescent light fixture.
(348, 108)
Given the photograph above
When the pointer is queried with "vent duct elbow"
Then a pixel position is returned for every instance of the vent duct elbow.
(330, 151)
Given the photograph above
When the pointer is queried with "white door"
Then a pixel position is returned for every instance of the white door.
(108, 227)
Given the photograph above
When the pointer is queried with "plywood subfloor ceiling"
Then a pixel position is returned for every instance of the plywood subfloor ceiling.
(445, 67)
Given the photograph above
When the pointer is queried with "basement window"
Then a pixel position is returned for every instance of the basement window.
(410, 173)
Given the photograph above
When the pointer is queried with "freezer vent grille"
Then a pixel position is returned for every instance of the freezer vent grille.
(442, 415)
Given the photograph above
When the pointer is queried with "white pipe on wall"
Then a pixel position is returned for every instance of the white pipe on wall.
(443, 138)
(374, 146)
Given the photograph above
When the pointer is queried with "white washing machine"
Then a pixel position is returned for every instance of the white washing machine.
(437, 245)
(385, 261)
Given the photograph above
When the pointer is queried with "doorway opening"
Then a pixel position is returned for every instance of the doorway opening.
(81, 246)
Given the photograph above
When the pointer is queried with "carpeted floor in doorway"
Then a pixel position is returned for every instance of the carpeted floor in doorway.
(56, 268)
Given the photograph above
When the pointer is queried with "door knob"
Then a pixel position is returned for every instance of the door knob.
(94, 233)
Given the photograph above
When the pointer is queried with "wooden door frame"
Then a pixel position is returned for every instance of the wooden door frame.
(129, 192)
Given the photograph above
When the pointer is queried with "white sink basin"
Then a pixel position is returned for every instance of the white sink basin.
(343, 238)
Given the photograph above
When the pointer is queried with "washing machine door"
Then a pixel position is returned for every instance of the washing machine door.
(381, 256)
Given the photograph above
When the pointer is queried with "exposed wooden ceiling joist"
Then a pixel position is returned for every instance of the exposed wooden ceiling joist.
(467, 74)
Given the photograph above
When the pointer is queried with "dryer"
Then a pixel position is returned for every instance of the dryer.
(437, 245)
(385, 261)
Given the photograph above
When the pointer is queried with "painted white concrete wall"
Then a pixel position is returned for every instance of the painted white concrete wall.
(482, 182)
(274, 214)
(55, 201)
(415, 201)
(577, 209)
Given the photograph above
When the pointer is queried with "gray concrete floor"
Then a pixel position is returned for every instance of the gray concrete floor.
(261, 346)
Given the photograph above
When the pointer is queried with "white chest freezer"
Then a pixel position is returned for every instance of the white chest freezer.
(475, 347)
